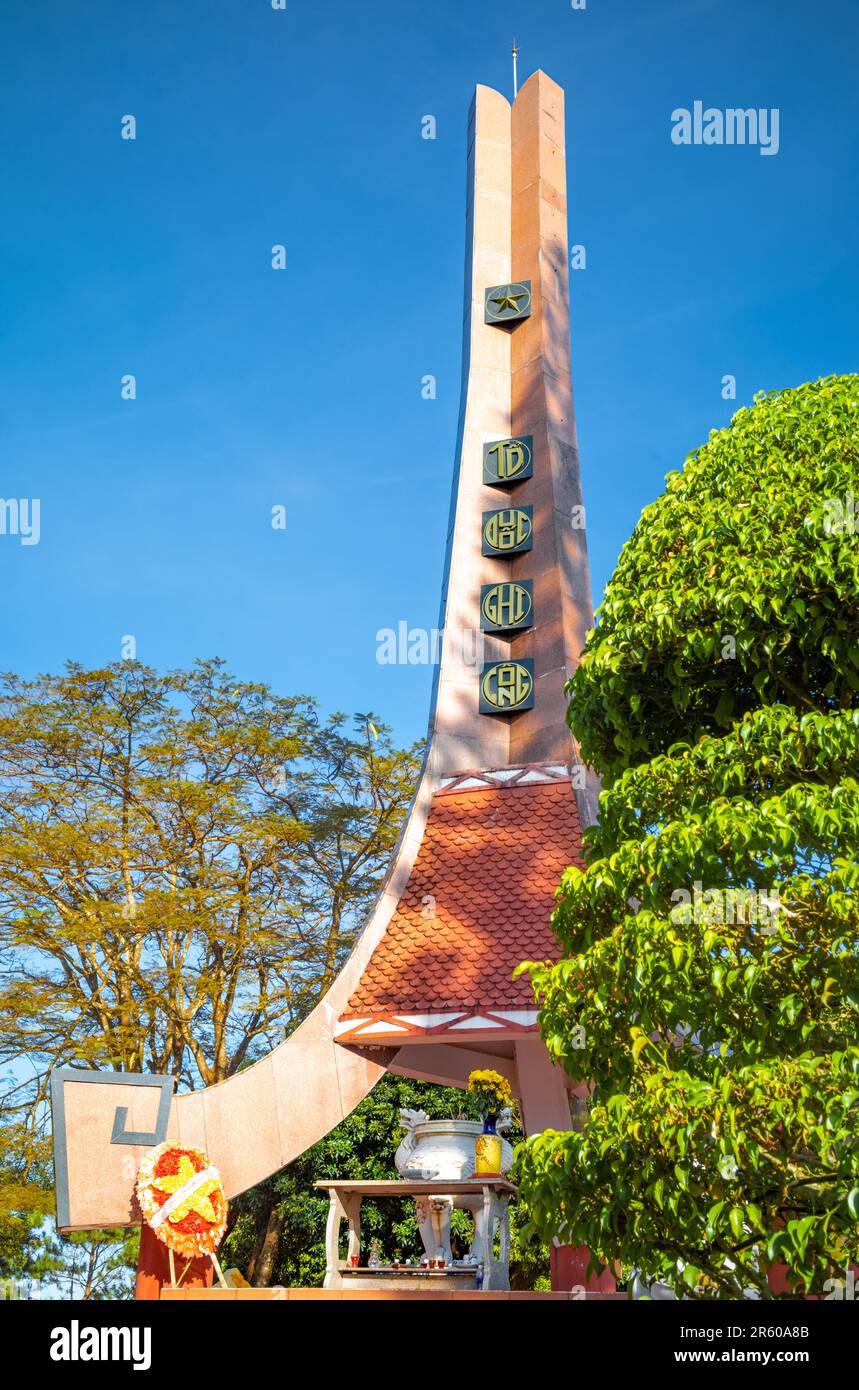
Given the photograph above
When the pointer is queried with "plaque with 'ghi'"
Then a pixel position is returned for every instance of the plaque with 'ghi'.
(506, 607)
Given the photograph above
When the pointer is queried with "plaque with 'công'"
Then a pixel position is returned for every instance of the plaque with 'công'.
(507, 687)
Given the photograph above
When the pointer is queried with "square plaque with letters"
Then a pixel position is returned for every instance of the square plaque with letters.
(507, 686)
(506, 607)
(508, 461)
(507, 531)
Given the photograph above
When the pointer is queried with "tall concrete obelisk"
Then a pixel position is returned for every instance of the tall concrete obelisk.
(516, 384)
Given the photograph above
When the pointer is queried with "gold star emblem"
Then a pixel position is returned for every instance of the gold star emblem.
(199, 1201)
(507, 301)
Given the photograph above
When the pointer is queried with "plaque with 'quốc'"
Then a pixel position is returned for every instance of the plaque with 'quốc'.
(508, 531)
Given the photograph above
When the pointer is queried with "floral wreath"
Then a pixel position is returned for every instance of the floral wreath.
(182, 1198)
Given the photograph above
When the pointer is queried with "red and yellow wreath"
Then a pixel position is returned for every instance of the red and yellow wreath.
(182, 1198)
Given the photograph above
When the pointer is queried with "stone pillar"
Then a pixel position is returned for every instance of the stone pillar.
(543, 1095)
(545, 1104)
(516, 381)
(153, 1268)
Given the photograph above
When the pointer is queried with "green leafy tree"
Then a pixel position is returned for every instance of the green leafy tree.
(184, 861)
(709, 988)
(36, 1262)
(24, 1204)
(278, 1230)
(86, 1266)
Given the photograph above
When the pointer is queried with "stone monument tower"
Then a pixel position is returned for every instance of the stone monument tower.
(428, 990)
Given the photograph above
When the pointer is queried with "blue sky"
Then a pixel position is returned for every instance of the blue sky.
(302, 387)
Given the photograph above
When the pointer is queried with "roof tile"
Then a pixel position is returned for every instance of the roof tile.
(492, 860)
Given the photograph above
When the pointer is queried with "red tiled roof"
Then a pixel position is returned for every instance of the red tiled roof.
(491, 860)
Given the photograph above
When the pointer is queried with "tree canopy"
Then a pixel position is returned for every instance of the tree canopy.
(184, 861)
(738, 587)
(711, 951)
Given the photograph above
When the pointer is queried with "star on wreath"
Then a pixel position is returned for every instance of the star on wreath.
(198, 1201)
